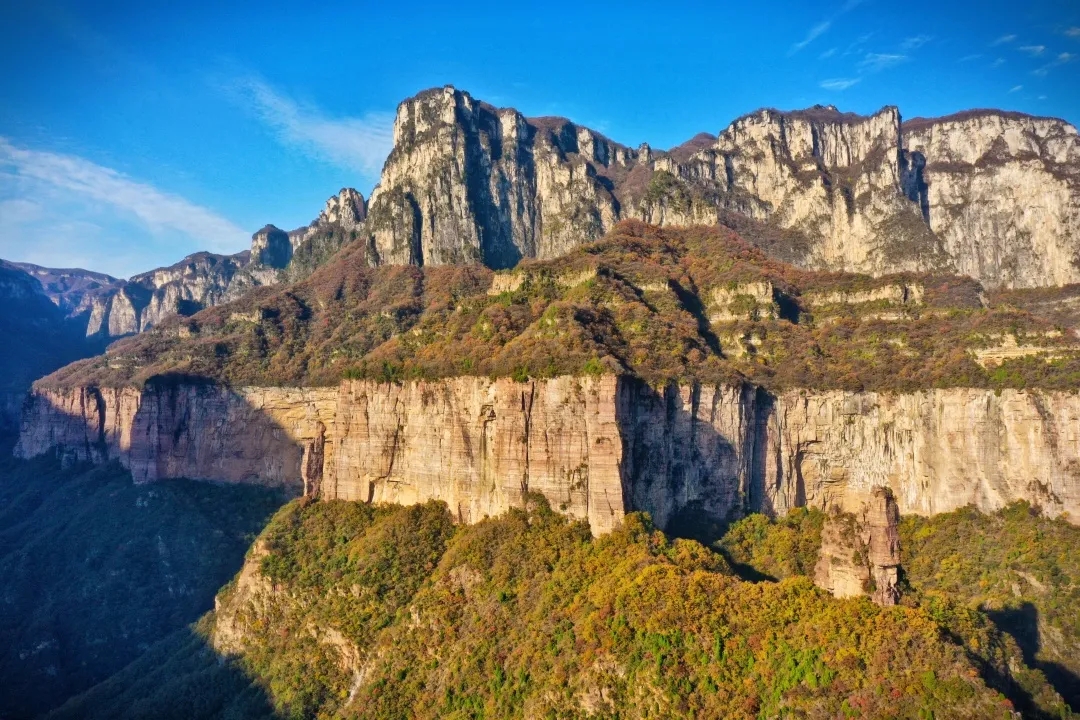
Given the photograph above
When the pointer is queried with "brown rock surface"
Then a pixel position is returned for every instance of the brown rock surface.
(596, 447)
(860, 552)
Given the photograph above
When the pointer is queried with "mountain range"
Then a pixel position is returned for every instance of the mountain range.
(814, 315)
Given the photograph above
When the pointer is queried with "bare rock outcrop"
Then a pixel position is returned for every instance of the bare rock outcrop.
(271, 246)
(468, 182)
(860, 552)
(595, 447)
(1002, 191)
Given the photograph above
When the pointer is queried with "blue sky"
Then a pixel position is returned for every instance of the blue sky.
(133, 133)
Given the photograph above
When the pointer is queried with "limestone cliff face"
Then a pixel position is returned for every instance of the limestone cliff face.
(860, 552)
(937, 450)
(1002, 191)
(191, 431)
(479, 445)
(467, 182)
(347, 209)
(836, 178)
(596, 447)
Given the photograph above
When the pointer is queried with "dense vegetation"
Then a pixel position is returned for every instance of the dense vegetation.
(1018, 567)
(96, 569)
(762, 548)
(643, 300)
(390, 612)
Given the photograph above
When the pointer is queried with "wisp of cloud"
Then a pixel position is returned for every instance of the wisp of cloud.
(358, 144)
(839, 83)
(156, 210)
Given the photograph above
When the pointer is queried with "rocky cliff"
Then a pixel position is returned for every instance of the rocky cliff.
(468, 182)
(596, 447)
(860, 552)
(106, 307)
(1002, 192)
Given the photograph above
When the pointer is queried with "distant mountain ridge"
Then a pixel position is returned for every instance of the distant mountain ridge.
(467, 182)
(108, 307)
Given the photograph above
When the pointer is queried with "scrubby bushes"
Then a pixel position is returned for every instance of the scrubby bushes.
(635, 302)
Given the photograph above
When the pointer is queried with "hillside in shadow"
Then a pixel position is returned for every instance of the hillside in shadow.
(97, 569)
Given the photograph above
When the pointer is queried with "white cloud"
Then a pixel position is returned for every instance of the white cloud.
(839, 83)
(1016, 88)
(827, 54)
(874, 62)
(916, 42)
(1042, 97)
(1073, 32)
(998, 63)
(1033, 50)
(1003, 40)
(1061, 59)
(353, 143)
(815, 32)
(156, 210)
(969, 58)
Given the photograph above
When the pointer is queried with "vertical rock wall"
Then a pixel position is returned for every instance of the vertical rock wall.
(860, 552)
(991, 194)
(595, 447)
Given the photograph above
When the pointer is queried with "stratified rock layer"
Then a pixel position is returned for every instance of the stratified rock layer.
(596, 447)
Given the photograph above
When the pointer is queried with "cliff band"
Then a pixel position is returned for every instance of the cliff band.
(595, 447)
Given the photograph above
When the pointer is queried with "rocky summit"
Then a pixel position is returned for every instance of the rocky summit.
(468, 182)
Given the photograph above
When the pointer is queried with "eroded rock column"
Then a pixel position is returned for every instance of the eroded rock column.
(860, 552)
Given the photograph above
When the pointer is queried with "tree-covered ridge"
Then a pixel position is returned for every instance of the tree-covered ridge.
(659, 303)
(1020, 567)
(390, 612)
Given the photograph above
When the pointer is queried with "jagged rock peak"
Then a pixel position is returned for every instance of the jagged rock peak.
(271, 246)
(424, 113)
(839, 139)
(347, 209)
(467, 182)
